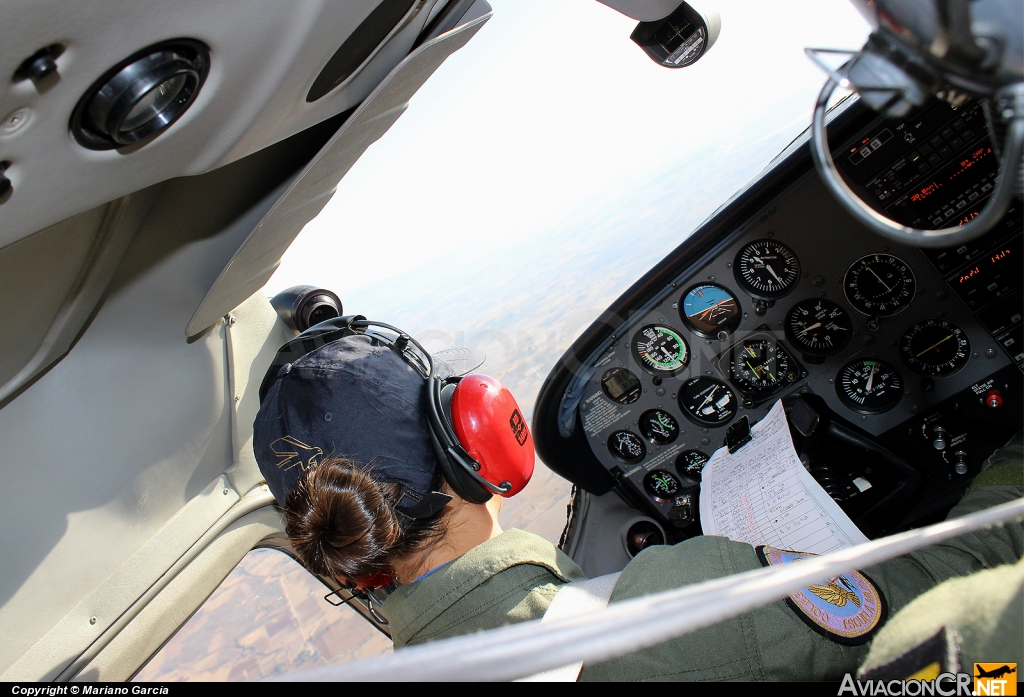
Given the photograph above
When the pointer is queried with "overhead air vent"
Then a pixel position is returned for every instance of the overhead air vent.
(359, 46)
(142, 96)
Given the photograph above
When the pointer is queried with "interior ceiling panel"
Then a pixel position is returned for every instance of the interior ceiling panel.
(264, 56)
(258, 257)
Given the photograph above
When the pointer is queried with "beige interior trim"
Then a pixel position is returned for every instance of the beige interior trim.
(140, 638)
(255, 261)
(122, 589)
(254, 500)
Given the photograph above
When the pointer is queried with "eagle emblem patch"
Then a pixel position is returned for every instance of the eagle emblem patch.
(847, 609)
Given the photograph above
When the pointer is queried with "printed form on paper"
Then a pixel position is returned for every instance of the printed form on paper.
(762, 495)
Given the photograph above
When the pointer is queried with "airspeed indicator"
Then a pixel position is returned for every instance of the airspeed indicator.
(660, 350)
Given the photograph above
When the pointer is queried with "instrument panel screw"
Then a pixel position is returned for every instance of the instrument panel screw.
(712, 278)
(990, 353)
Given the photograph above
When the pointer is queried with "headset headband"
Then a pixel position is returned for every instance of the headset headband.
(460, 469)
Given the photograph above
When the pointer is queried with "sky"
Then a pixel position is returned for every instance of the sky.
(545, 117)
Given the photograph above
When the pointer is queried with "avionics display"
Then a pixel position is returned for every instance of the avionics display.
(930, 170)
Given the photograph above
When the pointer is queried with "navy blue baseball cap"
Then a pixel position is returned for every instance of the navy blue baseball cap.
(355, 398)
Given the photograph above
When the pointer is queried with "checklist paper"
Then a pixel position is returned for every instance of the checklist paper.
(762, 495)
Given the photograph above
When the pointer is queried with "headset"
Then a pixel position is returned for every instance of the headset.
(481, 439)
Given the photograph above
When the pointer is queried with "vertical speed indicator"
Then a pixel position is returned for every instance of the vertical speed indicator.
(818, 327)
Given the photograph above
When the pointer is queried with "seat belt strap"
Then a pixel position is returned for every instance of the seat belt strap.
(572, 599)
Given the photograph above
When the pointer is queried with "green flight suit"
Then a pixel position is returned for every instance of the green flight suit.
(962, 621)
(513, 578)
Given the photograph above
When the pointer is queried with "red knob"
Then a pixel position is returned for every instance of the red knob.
(993, 400)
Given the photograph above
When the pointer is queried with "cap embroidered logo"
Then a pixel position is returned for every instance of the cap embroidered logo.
(292, 451)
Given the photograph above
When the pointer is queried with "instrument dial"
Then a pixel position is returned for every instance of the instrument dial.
(621, 386)
(690, 463)
(661, 485)
(869, 386)
(935, 347)
(767, 269)
(818, 327)
(658, 426)
(627, 447)
(707, 401)
(880, 284)
(708, 309)
(660, 350)
(760, 366)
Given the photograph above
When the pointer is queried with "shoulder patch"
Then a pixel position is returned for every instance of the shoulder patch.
(847, 609)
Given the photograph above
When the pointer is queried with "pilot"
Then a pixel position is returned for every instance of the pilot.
(344, 440)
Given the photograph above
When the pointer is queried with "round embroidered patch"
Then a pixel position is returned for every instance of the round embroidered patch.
(847, 609)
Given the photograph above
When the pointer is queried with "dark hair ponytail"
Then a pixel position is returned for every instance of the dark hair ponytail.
(342, 522)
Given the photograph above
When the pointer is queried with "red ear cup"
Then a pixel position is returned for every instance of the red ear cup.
(491, 428)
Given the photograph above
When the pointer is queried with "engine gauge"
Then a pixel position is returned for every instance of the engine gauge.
(818, 327)
(869, 386)
(658, 426)
(707, 401)
(880, 284)
(935, 348)
(690, 463)
(620, 385)
(661, 485)
(626, 446)
(761, 366)
(767, 269)
(660, 350)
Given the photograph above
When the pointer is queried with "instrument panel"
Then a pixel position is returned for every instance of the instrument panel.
(802, 299)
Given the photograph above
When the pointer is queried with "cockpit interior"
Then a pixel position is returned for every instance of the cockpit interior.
(156, 163)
